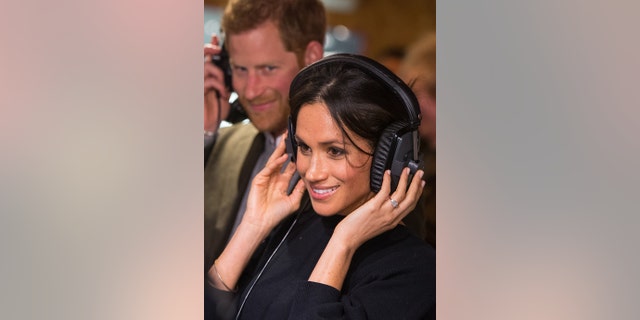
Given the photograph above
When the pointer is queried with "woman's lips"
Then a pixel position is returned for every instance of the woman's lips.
(321, 193)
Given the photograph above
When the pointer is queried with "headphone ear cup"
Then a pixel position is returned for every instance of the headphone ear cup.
(382, 154)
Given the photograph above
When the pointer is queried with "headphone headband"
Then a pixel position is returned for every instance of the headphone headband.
(377, 70)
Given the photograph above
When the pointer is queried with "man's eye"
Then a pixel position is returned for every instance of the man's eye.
(239, 70)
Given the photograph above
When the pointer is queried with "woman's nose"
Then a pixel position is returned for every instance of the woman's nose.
(316, 170)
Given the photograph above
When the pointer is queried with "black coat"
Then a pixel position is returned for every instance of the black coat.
(391, 276)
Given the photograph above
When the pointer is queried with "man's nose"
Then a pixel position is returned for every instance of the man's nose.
(253, 88)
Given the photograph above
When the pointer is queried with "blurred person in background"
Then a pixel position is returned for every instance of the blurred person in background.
(418, 69)
(391, 57)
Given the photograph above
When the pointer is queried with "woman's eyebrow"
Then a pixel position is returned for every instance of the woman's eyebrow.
(328, 142)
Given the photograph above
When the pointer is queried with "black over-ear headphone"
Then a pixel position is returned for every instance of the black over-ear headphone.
(399, 144)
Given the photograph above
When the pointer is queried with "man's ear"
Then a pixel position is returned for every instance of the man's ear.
(313, 52)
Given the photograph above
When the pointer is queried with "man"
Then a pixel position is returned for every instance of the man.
(268, 42)
(419, 70)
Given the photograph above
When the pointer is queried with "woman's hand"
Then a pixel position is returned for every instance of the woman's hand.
(374, 217)
(382, 212)
(268, 202)
(267, 205)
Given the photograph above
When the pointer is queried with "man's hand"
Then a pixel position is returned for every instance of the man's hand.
(215, 92)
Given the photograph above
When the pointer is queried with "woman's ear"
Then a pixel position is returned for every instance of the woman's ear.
(313, 52)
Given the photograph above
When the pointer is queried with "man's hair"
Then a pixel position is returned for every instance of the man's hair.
(299, 21)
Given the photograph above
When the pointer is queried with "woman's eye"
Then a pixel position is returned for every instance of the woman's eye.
(335, 152)
(304, 149)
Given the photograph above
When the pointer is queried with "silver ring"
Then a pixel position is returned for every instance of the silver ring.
(394, 203)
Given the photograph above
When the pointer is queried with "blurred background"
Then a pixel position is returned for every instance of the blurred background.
(370, 27)
(101, 189)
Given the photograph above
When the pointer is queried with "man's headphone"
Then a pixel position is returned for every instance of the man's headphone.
(399, 143)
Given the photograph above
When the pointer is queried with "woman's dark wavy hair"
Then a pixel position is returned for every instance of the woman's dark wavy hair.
(355, 99)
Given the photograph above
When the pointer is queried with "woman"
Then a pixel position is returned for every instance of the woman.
(344, 252)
